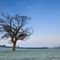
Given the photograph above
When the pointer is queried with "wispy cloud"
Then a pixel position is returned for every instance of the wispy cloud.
(29, 7)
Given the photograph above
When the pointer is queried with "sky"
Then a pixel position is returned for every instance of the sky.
(45, 20)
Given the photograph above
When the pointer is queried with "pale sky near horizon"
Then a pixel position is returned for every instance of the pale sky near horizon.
(45, 20)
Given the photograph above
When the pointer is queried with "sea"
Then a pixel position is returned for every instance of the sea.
(29, 54)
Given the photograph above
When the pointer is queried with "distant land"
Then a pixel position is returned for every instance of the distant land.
(29, 47)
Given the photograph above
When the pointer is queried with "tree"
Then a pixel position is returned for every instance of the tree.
(14, 27)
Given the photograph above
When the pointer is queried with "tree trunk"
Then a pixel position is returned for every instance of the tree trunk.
(14, 46)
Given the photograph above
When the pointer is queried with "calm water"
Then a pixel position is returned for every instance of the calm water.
(30, 54)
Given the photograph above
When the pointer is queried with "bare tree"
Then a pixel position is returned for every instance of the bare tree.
(14, 27)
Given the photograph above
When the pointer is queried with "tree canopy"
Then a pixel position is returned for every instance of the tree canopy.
(14, 27)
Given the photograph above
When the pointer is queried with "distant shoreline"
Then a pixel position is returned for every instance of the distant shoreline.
(3, 46)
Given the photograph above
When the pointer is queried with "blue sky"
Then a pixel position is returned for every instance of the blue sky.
(45, 20)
